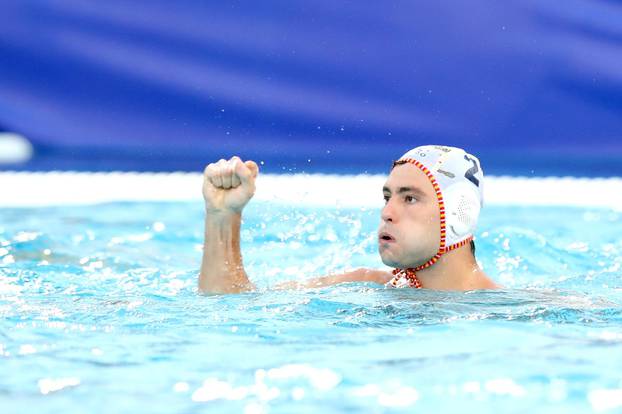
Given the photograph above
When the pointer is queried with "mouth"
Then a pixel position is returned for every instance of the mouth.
(385, 237)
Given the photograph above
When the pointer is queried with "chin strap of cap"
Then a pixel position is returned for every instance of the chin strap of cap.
(408, 277)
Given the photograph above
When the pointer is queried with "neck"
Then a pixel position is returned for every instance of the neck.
(455, 270)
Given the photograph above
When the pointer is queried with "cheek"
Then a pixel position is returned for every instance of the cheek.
(427, 218)
(426, 229)
(434, 227)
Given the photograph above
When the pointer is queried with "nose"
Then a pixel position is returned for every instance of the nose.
(388, 213)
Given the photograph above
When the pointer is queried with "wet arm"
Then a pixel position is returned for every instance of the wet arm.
(222, 270)
(227, 187)
(358, 275)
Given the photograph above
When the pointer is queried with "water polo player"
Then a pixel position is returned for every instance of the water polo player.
(433, 198)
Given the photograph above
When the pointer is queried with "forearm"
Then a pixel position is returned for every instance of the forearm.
(222, 270)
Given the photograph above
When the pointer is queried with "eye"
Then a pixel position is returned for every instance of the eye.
(410, 199)
(386, 199)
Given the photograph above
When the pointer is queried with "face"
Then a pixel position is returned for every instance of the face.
(409, 232)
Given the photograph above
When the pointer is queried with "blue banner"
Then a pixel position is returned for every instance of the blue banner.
(532, 86)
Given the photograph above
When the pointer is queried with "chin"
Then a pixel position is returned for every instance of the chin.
(389, 261)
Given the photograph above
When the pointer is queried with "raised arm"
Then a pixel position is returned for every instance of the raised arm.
(227, 188)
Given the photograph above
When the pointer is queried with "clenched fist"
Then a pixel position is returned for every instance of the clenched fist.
(229, 185)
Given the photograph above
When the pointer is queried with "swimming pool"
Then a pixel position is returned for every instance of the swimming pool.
(99, 311)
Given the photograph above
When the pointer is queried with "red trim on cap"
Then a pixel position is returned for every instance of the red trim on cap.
(441, 207)
(410, 273)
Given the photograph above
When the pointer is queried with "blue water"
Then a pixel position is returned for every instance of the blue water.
(99, 313)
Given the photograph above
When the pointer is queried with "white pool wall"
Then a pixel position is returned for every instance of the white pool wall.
(37, 189)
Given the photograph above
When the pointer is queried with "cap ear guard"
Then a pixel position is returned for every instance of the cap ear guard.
(462, 206)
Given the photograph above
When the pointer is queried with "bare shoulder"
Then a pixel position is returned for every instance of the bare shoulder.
(485, 282)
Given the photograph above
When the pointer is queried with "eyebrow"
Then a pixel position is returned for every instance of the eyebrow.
(402, 190)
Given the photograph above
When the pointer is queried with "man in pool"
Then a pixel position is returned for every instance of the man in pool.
(433, 197)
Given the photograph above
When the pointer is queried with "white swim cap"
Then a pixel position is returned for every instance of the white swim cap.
(458, 179)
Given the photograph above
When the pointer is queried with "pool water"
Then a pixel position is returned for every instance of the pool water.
(99, 313)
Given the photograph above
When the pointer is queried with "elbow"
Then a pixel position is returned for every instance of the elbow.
(224, 289)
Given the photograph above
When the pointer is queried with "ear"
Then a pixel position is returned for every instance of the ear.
(462, 207)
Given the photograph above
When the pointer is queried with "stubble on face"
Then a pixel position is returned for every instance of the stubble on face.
(414, 226)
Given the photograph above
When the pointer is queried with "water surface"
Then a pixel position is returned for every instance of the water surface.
(99, 313)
